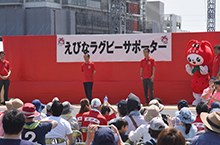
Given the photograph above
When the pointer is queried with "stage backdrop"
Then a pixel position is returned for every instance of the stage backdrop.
(37, 74)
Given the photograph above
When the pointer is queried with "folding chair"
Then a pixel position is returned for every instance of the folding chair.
(77, 135)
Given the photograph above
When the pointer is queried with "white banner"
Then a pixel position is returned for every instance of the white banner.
(113, 48)
(1, 45)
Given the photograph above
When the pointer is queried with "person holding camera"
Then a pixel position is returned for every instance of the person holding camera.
(208, 91)
(214, 94)
(99, 135)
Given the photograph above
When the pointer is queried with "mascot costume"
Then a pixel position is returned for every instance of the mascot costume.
(200, 56)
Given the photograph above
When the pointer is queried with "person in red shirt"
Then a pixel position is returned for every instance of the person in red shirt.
(147, 74)
(88, 69)
(200, 107)
(216, 62)
(5, 72)
(85, 107)
(105, 110)
(94, 116)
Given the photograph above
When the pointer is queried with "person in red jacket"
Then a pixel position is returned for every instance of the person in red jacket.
(94, 116)
(85, 107)
(200, 107)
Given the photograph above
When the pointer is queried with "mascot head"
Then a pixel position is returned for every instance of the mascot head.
(199, 53)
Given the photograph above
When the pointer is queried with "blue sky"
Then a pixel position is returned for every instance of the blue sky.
(193, 13)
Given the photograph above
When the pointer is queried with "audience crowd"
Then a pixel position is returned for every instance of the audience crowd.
(98, 124)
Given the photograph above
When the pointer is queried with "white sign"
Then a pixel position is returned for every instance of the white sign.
(113, 48)
(1, 46)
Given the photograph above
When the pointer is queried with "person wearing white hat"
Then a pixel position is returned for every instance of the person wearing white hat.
(212, 134)
(155, 127)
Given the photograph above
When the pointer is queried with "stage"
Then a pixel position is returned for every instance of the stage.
(36, 73)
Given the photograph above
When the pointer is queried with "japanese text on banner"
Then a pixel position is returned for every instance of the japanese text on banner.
(104, 48)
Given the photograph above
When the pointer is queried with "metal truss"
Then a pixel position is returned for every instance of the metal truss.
(118, 16)
(211, 4)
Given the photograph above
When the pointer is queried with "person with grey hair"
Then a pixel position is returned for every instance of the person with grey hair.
(48, 109)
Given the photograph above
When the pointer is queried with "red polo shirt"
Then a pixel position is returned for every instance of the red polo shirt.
(4, 68)
(88, 70)
(147, 65)
(215, 67)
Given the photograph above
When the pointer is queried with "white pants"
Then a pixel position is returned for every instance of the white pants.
(198, 98)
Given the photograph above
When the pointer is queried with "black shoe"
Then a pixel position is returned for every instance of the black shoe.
(3, 103)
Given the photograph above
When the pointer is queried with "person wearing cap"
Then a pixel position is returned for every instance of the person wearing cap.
(88, 70)
(94, 116)
(212, 134)
(39, 107)
(62, 134)
(200, 107)
(5, 73)
(147, 71)
(122, 111)
(142, 131)
(34, 130)
(215, 105)
(98, 135)
(68, 116)
(12, 104)
(84, 107)
(134, 118)
(155, 127)
(175, 120)
(187, 128)
(13, 122)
